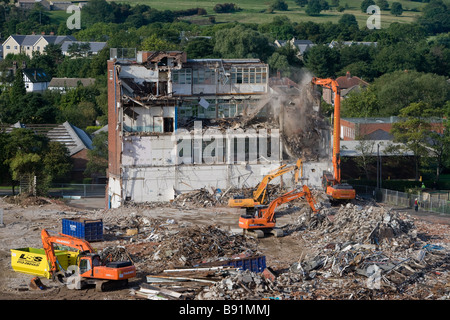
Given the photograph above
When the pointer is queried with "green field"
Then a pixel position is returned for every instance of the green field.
(254, 11)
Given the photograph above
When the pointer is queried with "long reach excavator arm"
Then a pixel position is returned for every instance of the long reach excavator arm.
(332, 182)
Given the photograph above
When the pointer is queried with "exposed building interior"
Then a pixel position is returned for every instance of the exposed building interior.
(178, 124)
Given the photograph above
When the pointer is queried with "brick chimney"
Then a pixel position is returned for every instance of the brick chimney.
(348, 75)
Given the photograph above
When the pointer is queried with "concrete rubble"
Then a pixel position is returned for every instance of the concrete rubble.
(353, 252)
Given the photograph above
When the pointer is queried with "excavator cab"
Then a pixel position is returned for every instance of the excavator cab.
(337, 192)
(91, 268)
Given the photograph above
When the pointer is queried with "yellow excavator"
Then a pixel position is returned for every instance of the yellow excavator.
(263, 221)
(259, 195)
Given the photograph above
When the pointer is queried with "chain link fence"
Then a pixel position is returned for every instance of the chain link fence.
(435, 201)
(77, 190)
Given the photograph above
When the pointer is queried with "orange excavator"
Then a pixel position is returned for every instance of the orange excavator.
(90, 267)
(259, 195)
(336, 190)
(263, 221)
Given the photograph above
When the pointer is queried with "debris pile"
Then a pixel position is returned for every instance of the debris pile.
(216, 197)
(26, 200)
(354, 252)
(195, 245)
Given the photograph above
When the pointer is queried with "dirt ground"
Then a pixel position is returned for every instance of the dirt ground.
(23, 224)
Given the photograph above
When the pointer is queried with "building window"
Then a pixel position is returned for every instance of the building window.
(15, 47)
(38, 48)
(203, 76)
(8, 47)
(183, 76)
(249, 75)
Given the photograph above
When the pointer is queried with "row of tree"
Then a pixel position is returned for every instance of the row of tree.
(422, 48)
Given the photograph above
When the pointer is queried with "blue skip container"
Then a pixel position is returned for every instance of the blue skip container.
(89, 230)
(255, 264)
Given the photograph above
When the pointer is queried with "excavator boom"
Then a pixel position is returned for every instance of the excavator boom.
(259, 195)
(65, 240)
(89, 263)
(332, 184)
(265, 217)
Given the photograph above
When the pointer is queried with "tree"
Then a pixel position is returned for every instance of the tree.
(396, 9)
(365, 4)
(18, 90)
(22, 153)
(366, 156)
(225, 8)
(280, 28)
(413, 131)
(242, 42)
(77, 50)
(24, 167)
(435, 17)
(198, 48)
(301, 3)
(314, 8)
(153, 43)
(278, 62)
(361, 104)
(348, 20)
(383, 4)
(322, 60)
(279, 5)
(440, 149)
(97, 11)
(98, 155)
(397, 90)
(56, 163)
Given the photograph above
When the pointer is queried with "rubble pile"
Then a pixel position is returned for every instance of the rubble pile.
(358, 224)
(154, 250)
(353, 252)
(194, 245)
(26, 200)
(216, 197)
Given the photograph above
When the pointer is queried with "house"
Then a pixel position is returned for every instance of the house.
(62, 84)
(60, 5)
(177, 124)
(35, 79)
(347, 84)
(375, 128)
(301, 45)
(29, 4)
(28, 44)
(76, 140)
(93, 49)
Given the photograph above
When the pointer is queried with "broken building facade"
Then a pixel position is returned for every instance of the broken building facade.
(178, 124)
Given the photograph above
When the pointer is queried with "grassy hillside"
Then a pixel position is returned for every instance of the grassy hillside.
(255, 11)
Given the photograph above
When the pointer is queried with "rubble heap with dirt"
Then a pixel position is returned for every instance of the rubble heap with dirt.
(354, 252)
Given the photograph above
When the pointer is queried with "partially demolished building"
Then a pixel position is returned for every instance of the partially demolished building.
(178, 124)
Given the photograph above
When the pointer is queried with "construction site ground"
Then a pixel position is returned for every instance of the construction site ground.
(23, 222)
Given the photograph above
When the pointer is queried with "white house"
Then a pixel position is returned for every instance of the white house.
(36, 80)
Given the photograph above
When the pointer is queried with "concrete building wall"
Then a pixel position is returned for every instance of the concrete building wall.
(163, 183)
